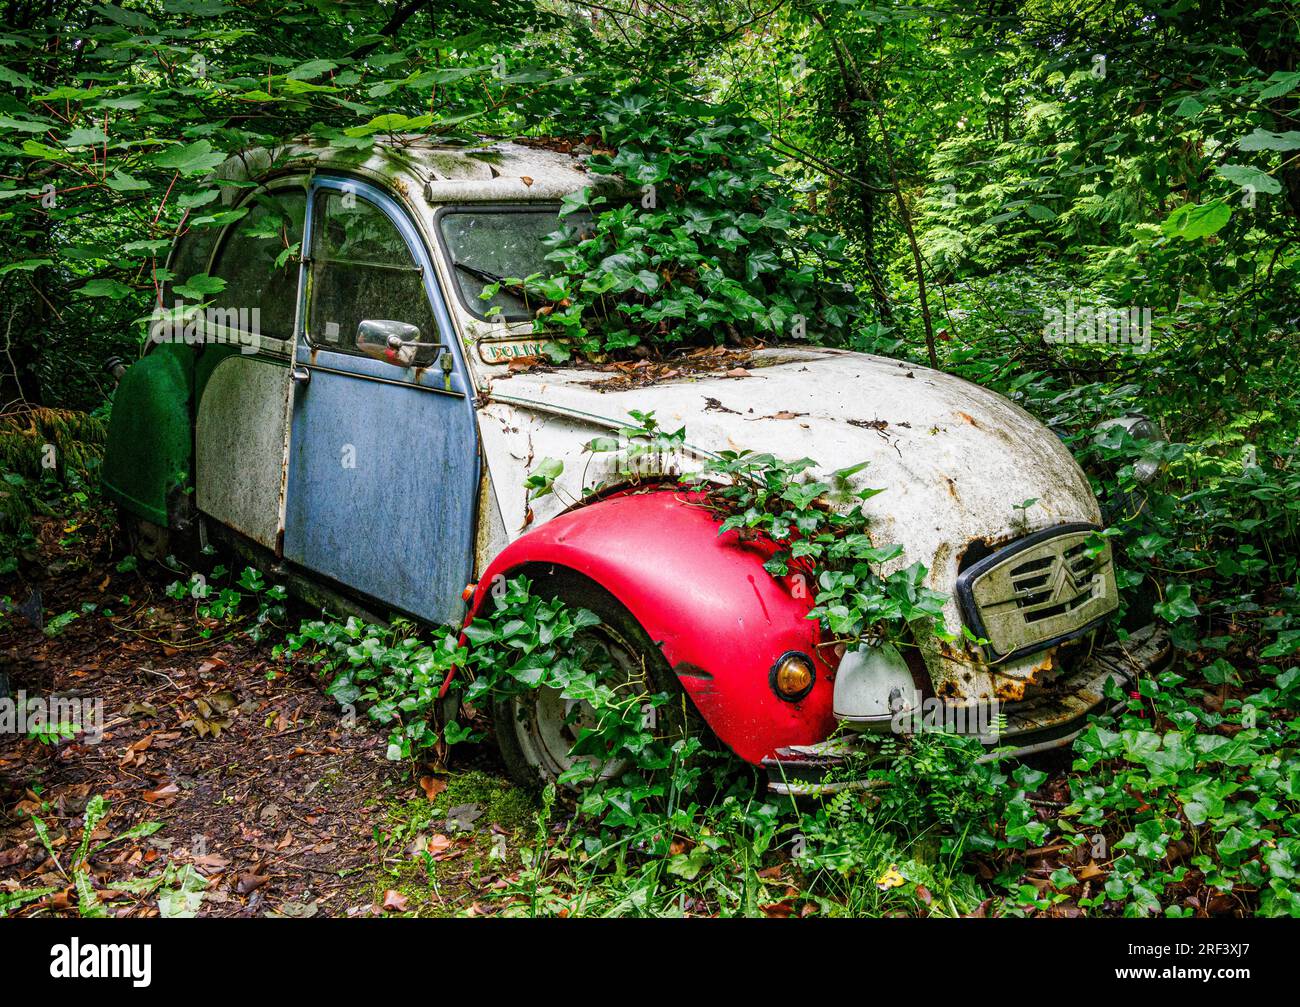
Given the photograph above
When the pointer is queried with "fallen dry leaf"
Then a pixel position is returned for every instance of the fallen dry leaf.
(432, 786)
(166, 790)
(250, 882)
(395, 901)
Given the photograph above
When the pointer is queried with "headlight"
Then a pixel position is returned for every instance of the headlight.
(1143, 429)
(793, 676)
(1146, 469)
(1139, 428)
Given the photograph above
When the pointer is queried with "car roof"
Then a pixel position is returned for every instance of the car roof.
(491, 170)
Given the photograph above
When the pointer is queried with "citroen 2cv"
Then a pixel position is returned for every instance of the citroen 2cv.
(350, 413)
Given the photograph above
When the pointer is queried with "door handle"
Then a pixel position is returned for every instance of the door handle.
(299, 374)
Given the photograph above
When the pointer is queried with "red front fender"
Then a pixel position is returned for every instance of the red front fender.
(721, 620)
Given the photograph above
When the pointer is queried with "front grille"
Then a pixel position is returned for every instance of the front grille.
(1038, 591)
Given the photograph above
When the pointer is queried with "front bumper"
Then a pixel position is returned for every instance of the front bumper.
(1049, 717)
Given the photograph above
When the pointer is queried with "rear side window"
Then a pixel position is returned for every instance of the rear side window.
(259, 262)
(362, 269)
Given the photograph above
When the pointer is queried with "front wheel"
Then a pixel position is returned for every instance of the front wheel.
(537, 729)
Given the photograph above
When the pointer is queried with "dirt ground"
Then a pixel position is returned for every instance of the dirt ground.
(259, 781)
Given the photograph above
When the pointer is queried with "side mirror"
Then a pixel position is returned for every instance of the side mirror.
(390, 340)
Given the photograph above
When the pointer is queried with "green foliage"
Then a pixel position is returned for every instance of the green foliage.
(179, 888)
(629, 772)
(1193, 798)
(46, 456)
(108, 144)
(709, 246)
(391, 671)
(220, 607)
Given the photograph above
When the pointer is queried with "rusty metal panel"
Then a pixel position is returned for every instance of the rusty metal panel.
(239, 454)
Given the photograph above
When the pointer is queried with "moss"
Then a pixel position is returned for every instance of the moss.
(448, 887)
(502, 803)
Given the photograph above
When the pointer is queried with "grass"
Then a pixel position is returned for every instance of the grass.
(443, 856)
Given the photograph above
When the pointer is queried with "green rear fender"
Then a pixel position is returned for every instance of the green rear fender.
(149, 456)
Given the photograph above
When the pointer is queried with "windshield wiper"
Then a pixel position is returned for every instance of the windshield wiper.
(480, 274)
(518, 289)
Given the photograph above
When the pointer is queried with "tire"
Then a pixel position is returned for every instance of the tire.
(531, 730)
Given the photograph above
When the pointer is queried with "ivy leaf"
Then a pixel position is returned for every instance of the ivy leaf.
(1178, 604)
(1287, 643)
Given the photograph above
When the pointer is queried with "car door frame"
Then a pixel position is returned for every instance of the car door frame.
(251, 524)
(429, 379)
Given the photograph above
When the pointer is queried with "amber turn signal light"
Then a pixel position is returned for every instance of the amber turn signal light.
(793, 676)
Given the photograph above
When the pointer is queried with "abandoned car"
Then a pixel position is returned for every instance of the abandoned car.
(351, 414)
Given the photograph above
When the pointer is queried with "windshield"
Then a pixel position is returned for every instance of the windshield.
(486, 245)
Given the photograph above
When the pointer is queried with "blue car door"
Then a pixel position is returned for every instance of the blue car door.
(383, 457)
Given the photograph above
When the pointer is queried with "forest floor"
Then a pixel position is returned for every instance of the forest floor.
(254, 776)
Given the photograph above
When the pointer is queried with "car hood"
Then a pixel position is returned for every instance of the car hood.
(954, 459)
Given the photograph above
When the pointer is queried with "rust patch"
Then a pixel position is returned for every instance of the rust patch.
(1013, 689)
(948, 689)
(940, 561)
(980, 547)
(1010, 690)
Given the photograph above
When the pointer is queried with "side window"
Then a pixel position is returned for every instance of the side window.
(362, 271)
(258, 261)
